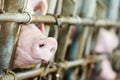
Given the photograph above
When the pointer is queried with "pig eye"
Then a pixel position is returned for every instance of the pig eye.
(41, 45)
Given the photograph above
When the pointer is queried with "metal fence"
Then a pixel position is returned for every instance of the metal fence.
(86, 15)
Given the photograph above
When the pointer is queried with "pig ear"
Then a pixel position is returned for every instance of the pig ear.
(42, 7)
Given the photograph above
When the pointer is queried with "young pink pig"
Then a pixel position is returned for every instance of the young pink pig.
(33, 46)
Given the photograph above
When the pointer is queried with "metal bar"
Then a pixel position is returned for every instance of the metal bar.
(17, 17)
(64, 33)
(86, 38)
(8, 33)
(65, 65)
(91, 14)
(51, 10)
(57, 11)
(113, 9)
(59, 7)
(73, 48)
(51, 6)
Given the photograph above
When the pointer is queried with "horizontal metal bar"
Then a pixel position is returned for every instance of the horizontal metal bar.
(25, 18)
(33, 73)
(66, 65)
(90, 59)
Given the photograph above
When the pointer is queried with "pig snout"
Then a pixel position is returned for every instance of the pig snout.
(44, 49)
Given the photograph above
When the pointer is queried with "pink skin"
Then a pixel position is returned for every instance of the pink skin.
(34, 47)
(107, 42)
(107, 72)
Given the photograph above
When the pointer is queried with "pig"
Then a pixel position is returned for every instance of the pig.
(106, 43)
(33, 46)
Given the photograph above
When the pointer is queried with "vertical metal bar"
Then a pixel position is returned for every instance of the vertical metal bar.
(113, 9)
(89, 9)
(51, 6)
(54, 30)
(88, 12)
(59, 7)
(51, 10)
(64, 33)
(88, 43)
(8, 33)
(72, 53)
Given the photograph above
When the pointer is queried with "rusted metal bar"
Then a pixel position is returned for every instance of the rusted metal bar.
(8, 33)
(17, 17)
(65, 65)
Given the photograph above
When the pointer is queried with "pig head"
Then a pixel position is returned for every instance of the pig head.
(33, 47)
(107, 41)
